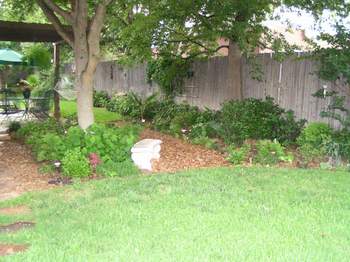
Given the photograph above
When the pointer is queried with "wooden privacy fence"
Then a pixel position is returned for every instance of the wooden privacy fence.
(291, 83)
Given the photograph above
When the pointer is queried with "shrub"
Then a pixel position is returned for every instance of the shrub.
(49, 147)
(111, 144)
(166, 112)
(49, 142)
(258, 119)
(204, 141)
(342, 138)
(75, 164)
(238, 155)
(124, 105)
(14, 126)
(101, 99)
(182, 122)
(270, 153)
(312, 141)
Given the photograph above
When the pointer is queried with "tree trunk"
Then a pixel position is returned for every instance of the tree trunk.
(85, 100)
(234, 73)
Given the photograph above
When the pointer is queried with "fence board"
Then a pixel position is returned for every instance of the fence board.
(291, 83)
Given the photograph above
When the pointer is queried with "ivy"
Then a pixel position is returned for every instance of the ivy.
(169, 73)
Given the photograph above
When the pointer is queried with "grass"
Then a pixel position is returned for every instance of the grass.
(69, 108)
(219, 214)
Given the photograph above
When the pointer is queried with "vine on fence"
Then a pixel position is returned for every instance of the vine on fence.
(169, 73)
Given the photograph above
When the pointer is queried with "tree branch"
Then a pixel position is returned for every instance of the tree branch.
(96, 24)
(55, 8)
(56, 23)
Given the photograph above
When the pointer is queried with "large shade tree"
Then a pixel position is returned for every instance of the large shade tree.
(79, 22)
(181, 29)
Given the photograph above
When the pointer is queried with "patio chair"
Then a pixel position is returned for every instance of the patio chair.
(39, 107)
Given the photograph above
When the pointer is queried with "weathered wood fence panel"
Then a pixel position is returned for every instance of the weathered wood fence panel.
(291, 83)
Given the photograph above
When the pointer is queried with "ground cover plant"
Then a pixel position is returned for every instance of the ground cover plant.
(248, 214)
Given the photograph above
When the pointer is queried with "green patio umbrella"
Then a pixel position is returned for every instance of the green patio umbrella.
(10, 57)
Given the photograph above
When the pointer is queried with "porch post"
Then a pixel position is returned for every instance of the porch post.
(56, 96)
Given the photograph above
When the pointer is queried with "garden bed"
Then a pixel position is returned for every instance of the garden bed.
(177, 154)
(19, 171)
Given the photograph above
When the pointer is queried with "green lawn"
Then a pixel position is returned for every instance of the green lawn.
(69, 108)
(209, 215)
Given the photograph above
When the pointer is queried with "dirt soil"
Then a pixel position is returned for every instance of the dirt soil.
(18, 210)
(16, 226)
(177, 154)
(19, 171)
(9, 249)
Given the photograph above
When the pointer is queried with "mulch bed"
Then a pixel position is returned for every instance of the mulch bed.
(19, 171)
(177, 154)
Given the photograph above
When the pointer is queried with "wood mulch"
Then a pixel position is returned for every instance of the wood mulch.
(19, 171)
(177, 154)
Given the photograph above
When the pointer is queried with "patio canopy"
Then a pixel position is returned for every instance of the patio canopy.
(31, 32)
(10, 57)
(28, 32)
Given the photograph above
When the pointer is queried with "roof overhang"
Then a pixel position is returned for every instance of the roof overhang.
(28, 32)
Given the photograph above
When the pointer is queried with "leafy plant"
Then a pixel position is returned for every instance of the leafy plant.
(270, 153)
(14, 126)
(238, 155)
(75, 164)
(312, 140)
(204, 141)
(258, 119)
(169, 73)
(100, 99)
(336, 109)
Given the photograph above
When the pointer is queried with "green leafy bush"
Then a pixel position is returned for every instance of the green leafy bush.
(238, 155)
(50, 142)
(258, 119)
(205, 141)
(111, 144)
(75, 164)
(101, 99)
(312, 141)
(134, 106)
(124, 105)
(14, 126)
(270, 153)
(50, 146)
(342, 138)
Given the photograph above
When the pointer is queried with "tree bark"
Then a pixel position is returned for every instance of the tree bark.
(234, 71)
(85, 100)
(85, 42)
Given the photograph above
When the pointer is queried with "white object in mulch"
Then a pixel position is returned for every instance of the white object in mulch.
(144, 151)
